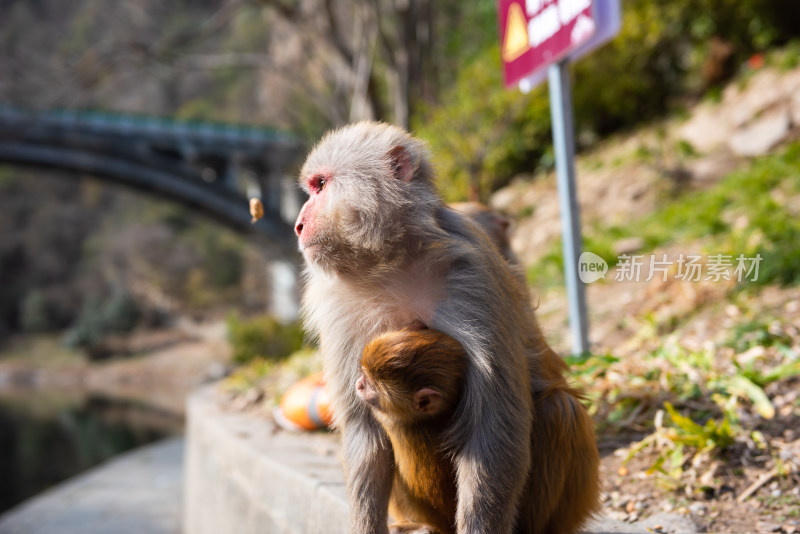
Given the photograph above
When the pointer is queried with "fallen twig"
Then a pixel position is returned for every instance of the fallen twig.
(763, 479)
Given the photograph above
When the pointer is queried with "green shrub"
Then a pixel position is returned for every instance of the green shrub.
(264, 337)
(482, 134)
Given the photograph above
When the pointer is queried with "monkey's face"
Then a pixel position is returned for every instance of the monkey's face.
(392, 398)
(363, 183)
(365, 388)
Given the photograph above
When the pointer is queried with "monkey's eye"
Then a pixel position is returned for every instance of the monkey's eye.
(318, 183)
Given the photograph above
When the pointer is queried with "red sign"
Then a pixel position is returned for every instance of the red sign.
(536, 33)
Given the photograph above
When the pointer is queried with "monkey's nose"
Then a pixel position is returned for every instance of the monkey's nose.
(298, 229)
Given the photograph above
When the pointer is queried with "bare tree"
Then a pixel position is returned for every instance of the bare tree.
(381, 50)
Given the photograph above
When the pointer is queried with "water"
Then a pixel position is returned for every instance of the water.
(47, 437)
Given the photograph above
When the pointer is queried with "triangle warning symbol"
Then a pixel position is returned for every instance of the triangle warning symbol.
(515, 42)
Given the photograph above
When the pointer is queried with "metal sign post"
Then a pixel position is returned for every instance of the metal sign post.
(564, 145)
(538, 37)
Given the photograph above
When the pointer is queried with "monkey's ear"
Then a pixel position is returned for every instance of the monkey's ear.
(427, 401)
(403, 163)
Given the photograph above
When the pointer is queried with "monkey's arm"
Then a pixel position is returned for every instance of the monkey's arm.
(492, 425)
(493, 463)
(368, 473)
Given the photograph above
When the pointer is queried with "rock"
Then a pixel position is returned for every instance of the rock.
(669, 522)
(712, 167)
(217, 371)
(764, 133)
(766, 526)
(697, 508)
(707, 129)
(628, 245)
(617, 515)
(741, 109)
(658, 523)
(763, 92)
(505, 199)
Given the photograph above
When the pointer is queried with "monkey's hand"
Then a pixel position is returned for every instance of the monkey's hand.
(411, 528)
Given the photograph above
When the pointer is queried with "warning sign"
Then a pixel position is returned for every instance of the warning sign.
(515, 42)
(536, 33)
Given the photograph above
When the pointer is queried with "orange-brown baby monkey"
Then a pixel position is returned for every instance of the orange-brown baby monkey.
(411, 379)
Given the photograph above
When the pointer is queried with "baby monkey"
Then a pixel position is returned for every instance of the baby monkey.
(411, 379)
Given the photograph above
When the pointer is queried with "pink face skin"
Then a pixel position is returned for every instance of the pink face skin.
(366, 390)
(306, 225)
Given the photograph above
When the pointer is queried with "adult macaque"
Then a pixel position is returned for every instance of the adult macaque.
(412, 381)
(382, 251)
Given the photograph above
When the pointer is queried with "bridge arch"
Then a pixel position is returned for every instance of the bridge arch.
(209, 167)
(212, 168)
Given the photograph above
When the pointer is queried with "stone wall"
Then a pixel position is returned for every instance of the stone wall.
(245, 475)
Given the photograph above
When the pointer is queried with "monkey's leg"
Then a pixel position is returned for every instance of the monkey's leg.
(368, 473)
(491, 473)
(563, 485)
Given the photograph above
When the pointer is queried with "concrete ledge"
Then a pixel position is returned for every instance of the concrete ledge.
(244, 475)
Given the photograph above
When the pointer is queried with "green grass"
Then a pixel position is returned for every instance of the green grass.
(752, 211)
(695, 404)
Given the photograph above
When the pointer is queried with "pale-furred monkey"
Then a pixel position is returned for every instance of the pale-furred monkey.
(382, 250)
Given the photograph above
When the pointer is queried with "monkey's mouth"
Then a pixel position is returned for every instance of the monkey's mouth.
(308, 249)
(320, 253)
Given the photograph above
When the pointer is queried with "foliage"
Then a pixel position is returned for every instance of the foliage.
(758, 333)
(671, 439)
(248, 375)
(272, 377)
(660, 52)
(116, 314)
(264, 337)
(750, 212)
(696, 403)
(747, 213)
(482, 134)
(34, 315)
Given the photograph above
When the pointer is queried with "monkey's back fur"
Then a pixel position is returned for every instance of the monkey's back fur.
(382, 250)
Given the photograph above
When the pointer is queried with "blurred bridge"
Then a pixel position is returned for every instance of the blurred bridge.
(211, 167)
